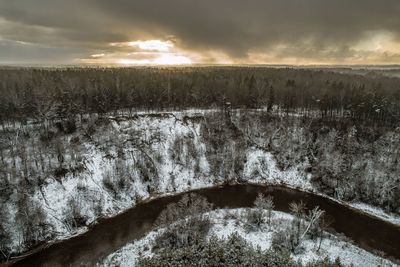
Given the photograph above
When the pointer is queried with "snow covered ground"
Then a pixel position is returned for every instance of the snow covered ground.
(174, 175)
(225, 222)
(168, 144)
(378, 212)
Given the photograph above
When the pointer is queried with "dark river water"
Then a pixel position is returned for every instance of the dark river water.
(110, 234)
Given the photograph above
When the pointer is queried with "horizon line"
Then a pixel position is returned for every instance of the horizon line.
(67, 65)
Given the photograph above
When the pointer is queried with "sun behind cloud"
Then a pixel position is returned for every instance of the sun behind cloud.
(153, 45)
(141, 52)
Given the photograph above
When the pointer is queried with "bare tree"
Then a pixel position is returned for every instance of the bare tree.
(298, 209)
(265, 203)
(313, 218)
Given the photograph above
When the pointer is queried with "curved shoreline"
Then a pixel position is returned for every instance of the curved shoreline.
(109, 234)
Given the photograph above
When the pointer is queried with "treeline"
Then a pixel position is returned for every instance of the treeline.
(47, 94)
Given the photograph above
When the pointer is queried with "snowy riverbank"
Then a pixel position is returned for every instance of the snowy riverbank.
(129, 160)
(227, 222)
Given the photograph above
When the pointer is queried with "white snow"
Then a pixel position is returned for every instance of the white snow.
(130, 253)
(265, 167)
(158, 134)
(226, 222)
(376, 211)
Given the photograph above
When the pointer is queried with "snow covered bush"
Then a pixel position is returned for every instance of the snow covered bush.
(255, 218)
(185, 223)
(192, 205)
(233, 251)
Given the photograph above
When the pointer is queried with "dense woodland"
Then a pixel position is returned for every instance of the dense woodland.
(48, 94)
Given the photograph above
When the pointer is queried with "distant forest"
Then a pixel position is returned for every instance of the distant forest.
(62, 93)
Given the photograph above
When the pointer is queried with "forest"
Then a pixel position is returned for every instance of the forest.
(80, 144)
(49, 94)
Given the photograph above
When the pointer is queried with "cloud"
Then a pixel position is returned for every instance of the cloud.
(273, 31)
(17, 52)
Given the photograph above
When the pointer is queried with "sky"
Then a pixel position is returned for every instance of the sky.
(158, 32)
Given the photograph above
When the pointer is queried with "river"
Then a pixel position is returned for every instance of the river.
(110, 234)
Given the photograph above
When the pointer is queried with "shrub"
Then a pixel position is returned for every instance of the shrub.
(60, 172)
(69, 127)
(190, 232)
(109, 184)
(73, 216)
(47, 136)
(4, 234)
(326, 262)
(254, 219)
(265, 203)
(234, 251)
(123, 182)
(75, 140)
(280, 241)
(189, 205)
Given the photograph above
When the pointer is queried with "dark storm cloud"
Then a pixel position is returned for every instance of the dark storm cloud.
(305, 28)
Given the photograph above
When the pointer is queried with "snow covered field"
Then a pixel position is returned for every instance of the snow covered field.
(224, 225)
